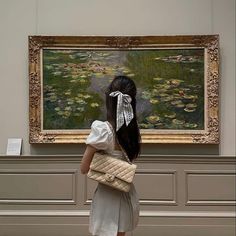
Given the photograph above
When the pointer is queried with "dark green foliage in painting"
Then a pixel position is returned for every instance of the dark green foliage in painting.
(172, 82)
(67, 103)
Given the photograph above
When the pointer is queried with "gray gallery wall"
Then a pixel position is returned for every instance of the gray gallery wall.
(43, 194)
(18, 19)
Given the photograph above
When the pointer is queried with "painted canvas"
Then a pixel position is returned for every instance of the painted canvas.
(170, 86)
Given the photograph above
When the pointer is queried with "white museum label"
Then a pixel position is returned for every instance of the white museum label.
(14, 146)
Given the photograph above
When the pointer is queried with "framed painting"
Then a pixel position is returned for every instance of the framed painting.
(177, 80)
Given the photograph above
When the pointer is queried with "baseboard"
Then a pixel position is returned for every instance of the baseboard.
(75, 223)
(85, 213)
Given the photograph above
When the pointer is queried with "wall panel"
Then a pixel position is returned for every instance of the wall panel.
(156, 187)
(210, 187)
(38, 186)
(179, 195)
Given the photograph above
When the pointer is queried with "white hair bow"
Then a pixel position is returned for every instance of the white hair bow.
(124, 109)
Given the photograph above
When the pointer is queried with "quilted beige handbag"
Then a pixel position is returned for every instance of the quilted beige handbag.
(111, 171)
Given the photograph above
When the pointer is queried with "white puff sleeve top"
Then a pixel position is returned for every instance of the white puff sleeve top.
(101, 136)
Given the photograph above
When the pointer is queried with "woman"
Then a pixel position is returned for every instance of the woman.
(114, 212)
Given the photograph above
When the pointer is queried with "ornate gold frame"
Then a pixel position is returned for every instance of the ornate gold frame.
(210, 43)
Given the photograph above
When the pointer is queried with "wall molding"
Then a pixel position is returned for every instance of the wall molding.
(207, 202)
(85, 213)
(72, 172)
(165, 202)
(144, 158)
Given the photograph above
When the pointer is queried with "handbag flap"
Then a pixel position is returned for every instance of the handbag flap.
(105, 163)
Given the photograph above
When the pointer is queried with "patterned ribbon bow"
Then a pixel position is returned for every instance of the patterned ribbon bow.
(124, 109)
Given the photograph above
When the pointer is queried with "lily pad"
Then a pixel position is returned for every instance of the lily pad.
(126, 71)
(190, 96)
(190, 125)
(67, 113)
(153, 119)
(143, 126)
(157, 79)
(176, 82)
(87, 96)
(53, 98)
(178, 122)
(191, 105)
(94, 104)
(180, 105)
(60, 113)
(146, 126)
(82, 81)
(155, 91)
(80, 101)
(81, 109)
(164, 94)
(131, 75)
(49, 67)
(153, 101)
(68, 108)
(171, 115)
(57, 73)
(166, 86)
(189, 109)
(73, 81)
(176, 102)
(166, 99)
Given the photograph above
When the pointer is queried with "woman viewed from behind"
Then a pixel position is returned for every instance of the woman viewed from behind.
(114, 212)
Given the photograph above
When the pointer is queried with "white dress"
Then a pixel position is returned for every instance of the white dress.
(111, 210)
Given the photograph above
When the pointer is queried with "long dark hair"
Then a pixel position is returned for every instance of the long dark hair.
(128, 136)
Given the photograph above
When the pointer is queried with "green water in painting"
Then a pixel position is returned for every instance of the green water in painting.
(170, 86)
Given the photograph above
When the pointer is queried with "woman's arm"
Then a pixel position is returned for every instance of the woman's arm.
(87, 158)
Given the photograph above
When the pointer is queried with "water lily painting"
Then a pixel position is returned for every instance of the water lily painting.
(69, 76)
(170, 86)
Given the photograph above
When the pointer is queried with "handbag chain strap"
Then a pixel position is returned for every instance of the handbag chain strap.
(123, 151)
